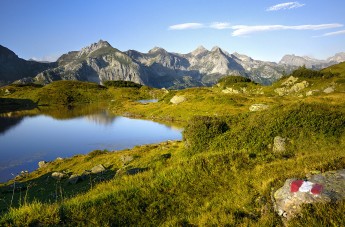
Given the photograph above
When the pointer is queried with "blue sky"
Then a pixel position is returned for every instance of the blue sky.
(264, 30)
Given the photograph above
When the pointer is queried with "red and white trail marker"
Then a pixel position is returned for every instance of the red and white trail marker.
(305, 186)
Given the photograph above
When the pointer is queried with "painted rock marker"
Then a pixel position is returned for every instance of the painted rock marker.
(327, 187)
(305, 186)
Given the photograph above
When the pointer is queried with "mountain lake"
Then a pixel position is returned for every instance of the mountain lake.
(27, 138)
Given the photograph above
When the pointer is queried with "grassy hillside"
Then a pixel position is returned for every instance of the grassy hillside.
(338, 68)
(221, 174)
(220, 178)
(76, 93)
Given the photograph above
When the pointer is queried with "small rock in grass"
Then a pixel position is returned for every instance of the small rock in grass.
(58, 175)
(98, 169)
(258, 107)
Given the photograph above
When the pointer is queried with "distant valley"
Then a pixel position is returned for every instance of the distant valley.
(100, 62)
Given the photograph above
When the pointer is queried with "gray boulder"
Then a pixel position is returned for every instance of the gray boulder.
(279, 144)
(312, 92)
(258, 107)
(125, 159)
(177, 99)
(98, 169)
(325, 188)
(58, 175)
(42, 164)
(329, 90)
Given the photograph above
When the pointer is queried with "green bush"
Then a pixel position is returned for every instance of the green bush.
(121, 83)
(228, 80)
(201, 130)
(303, 72)
(95, 153)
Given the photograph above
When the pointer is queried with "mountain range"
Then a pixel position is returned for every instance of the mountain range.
(158, 68)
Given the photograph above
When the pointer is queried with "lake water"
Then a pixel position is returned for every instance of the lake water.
(145, 101)
(26, 140)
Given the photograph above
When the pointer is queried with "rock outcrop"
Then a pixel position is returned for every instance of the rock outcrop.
(42, 164)
(96, 63)
(290, 86)
(98, 169)
(324, 188)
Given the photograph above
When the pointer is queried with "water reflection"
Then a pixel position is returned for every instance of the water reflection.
(7, 123)
(30, 136)
(102, 118)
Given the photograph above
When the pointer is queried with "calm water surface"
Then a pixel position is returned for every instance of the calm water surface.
(26, 140)
(145, 101)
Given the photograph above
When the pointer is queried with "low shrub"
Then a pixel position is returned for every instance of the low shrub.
(201, 130)
(121, 83)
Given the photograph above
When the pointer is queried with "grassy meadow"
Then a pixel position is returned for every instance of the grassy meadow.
(223, 173)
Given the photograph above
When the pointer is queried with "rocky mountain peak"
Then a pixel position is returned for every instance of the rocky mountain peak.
(216, 49)
(339, 57)
(305, 60)
(6, 53)
(157, 50)
(94, 46)
(200, 50)
(242, 57)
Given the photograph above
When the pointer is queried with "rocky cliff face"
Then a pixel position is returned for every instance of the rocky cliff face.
(337, 58)
(13, 68)
(204, 67)
(95, 63)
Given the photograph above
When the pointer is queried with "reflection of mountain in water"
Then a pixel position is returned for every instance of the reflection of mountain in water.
(7, 122)
(101, 118)
(70, 112)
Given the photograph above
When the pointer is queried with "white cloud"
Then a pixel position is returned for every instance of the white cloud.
(186, 26)
(241, 30)
(286, 5)
(220, 25)
(342, 32)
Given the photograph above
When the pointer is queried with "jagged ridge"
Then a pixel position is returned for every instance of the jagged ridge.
(100, 62)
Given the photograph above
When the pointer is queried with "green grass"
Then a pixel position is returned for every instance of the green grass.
(221, 174)
(227, 182)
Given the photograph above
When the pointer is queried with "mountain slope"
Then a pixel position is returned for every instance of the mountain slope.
(313, 63)
(13, 68)
(95, 63)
